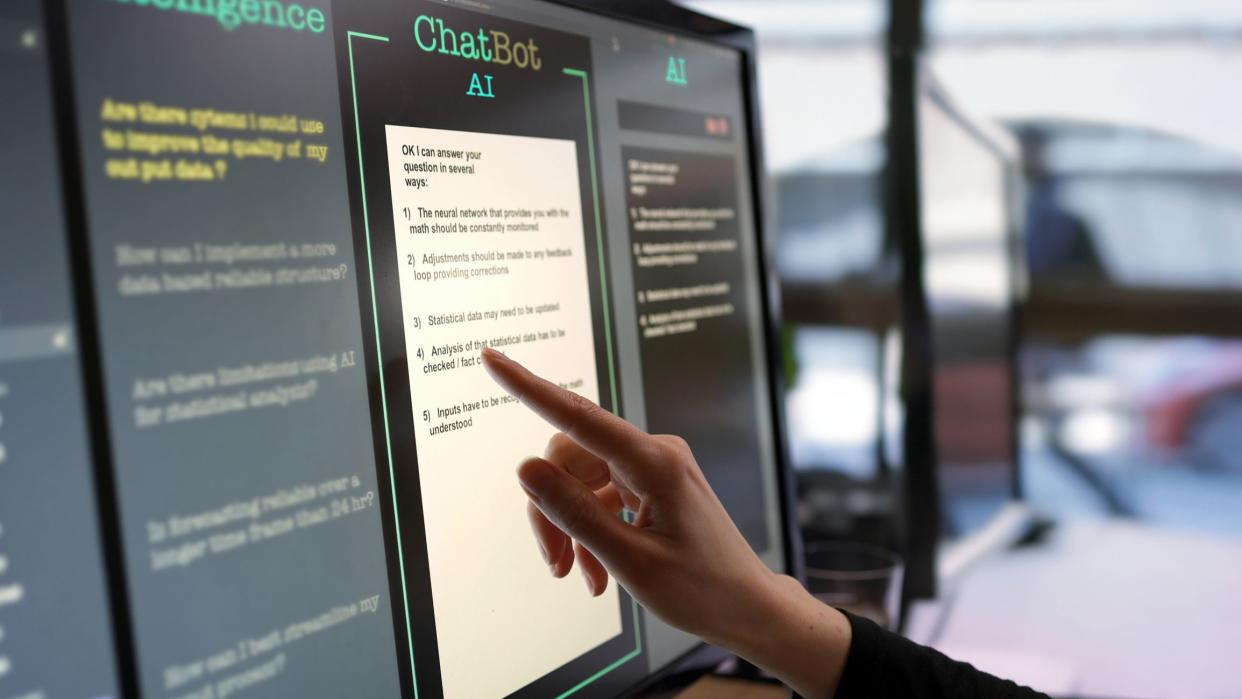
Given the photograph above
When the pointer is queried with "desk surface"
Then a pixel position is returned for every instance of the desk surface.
(1104, 608)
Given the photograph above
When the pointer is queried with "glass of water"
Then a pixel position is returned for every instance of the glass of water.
(861, 579)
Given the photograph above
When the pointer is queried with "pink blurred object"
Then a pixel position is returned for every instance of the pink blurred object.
(1175, 404)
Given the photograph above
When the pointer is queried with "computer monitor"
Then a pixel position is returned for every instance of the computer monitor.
(969, 185)
(262, 243)
(56, 632)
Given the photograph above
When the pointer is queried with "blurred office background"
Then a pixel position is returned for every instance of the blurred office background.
(1126, 116)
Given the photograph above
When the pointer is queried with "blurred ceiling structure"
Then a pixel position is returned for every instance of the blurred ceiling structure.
(1156, 65)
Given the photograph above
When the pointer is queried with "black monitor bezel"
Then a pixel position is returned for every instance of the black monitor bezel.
(935, 92)
(909, 77)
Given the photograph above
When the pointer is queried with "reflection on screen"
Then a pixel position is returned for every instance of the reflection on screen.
(302, 222)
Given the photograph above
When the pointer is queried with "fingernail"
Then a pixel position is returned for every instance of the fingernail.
(536, 477)
(587, 579)
(543, 551)
(494, 355)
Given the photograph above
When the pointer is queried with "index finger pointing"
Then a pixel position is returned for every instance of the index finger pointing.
(602, 433)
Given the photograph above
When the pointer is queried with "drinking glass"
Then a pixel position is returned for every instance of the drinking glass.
(861, 579)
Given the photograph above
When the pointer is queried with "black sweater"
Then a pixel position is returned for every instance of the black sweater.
(884, 664)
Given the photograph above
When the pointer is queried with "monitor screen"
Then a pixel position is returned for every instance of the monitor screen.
(966, 188)
(291, 229)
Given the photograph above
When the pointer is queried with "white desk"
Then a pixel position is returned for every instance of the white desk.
(1104, 608)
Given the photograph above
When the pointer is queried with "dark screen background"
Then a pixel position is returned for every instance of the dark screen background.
(697, 383)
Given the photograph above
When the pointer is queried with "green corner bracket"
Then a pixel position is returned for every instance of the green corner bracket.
(366, 224)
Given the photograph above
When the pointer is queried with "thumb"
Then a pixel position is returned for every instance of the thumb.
(575, 509)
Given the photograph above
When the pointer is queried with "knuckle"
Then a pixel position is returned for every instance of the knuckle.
(677, 444)
(557, 446)
(584, 408)
(654, 452)
(576, 514)
(678, 466)
(673, 451)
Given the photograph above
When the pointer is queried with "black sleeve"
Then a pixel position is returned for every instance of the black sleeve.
(884, 664)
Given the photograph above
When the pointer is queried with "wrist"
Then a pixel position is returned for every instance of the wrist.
(777, 607)
(748, 614)
(797, 638)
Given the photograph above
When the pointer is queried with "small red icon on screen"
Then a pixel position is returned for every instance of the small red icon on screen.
(716, 126)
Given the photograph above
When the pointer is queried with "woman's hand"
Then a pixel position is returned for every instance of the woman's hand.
(682, 557)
